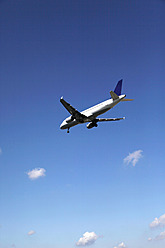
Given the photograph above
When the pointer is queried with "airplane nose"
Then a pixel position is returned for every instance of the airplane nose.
(62, 125)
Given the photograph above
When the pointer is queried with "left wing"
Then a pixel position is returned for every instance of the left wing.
(110, 119)
(74, 112)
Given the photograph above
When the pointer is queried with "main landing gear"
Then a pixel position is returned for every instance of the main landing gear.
(68, 130)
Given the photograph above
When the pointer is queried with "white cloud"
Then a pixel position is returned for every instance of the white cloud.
(133, 157)
(88, 239)
(160, 236)
(36, 173)
(121, 245)
(31, 232)
(158, 222)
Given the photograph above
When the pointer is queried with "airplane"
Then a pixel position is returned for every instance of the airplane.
(90, 115)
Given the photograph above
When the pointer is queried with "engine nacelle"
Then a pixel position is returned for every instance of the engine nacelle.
(91, 125)
(70, 119)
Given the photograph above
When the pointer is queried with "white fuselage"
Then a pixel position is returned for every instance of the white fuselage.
(93, 112)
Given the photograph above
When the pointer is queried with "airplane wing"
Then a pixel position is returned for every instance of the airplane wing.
(74, 112)
(110, 119)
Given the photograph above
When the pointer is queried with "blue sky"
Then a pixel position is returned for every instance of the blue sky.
(79, 50)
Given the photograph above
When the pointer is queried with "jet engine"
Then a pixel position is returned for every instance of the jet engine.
(91, 125)
(70, 119)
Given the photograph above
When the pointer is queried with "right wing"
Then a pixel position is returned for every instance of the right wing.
(74, 112)
(110, 119)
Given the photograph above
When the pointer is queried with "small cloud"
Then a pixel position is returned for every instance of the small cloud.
(158, 222)
(121, 245)
(161, 236)
(36, 173)
(149, 239)
(88, 238)
(31, 232)
(133, 157)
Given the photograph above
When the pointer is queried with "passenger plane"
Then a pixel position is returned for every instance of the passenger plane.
(90, 114)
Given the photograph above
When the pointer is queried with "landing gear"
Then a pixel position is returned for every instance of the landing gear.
(68, 130)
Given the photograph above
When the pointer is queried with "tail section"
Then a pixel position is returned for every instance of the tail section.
(114, 96)
(118, 88)
(126, 100)
(117, 92)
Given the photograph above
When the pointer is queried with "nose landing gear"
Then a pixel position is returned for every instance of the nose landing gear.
(68, 130)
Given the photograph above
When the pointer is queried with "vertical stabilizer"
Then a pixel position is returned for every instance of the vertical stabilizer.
(118, 88)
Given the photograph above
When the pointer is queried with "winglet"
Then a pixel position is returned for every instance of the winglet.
(118, 87)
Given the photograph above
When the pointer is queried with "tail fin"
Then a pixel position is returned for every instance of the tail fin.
(118, 87)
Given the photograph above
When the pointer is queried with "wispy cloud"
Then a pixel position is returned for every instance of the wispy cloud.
(160, 236)
(36, 173)
(31, 232)
(121, 245)
(88, 239)
(133, 157)
(158, 222)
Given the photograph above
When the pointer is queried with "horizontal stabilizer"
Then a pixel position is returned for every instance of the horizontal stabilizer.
(114, 95)
(126, 100)
(110, 119)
